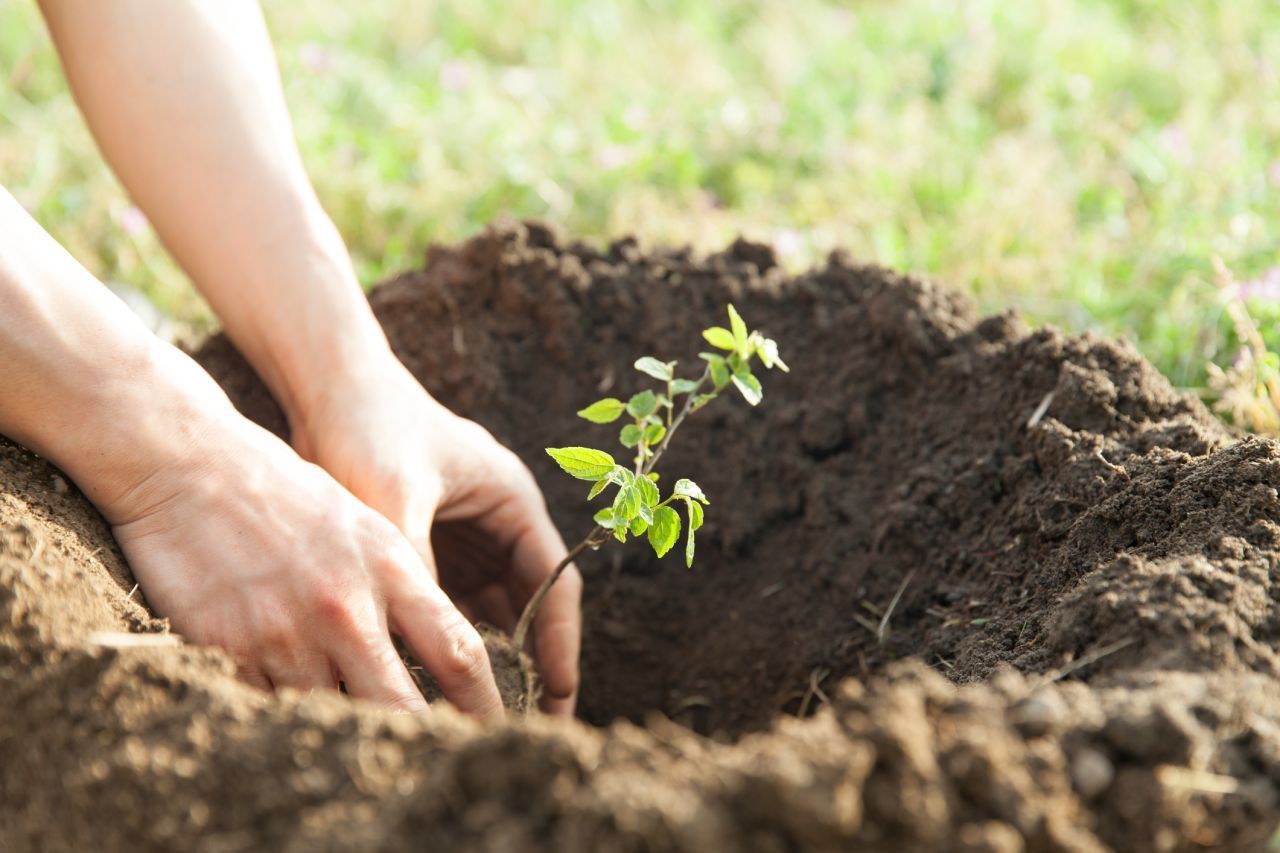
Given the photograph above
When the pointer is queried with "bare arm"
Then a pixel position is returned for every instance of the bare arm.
(231, 534)
(185, 101)
(184, 97)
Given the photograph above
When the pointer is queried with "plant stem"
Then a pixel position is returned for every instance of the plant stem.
(593, 539)
(531, 609)
(675, 425)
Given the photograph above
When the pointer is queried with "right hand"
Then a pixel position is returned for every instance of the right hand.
(246, 546)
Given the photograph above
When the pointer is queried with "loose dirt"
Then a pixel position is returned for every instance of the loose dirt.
(1083, 655)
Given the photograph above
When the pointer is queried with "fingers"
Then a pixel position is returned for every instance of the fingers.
(448, 646)
(372, 670)
(313, 672)
(536, 549)
(359, 643)
(253, 677)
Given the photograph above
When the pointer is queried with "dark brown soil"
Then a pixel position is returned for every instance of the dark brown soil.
(1096, 579)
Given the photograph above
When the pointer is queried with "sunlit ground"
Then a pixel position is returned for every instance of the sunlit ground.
(1081, 161)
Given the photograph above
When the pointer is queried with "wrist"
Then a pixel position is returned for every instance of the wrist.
(301, 318)
(149, 420)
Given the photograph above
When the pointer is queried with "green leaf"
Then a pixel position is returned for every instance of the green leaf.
(656, 369)
(654, 433)
(750, 388)
(700, 401)
(695, 521)
(626, 504)
(646, 512)
(695, 515)
(648, 491)
(604, 411)
(739, 328)
(599, 487)
(689, 489)
(630, 435)
(620, 532)
(583, 462)
(642, 404)
(769, 356)
(652, 476)
(720, 338)
(719, 372)
(665, 530)
(683, 386)
(638, 526)
(604, 518)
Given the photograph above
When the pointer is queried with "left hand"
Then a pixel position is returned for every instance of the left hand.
(382, 436)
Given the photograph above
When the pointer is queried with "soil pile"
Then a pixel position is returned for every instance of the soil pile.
(1082, 654)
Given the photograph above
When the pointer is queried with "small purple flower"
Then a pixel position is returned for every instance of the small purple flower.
(1265, 287)
(1175, 140)
(133, 221)
(614, 156)
(455, 76)
(315, 57)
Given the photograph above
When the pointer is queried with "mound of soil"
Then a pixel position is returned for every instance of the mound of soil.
(963, 586)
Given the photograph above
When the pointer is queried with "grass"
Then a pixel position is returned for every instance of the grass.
(1083, 161)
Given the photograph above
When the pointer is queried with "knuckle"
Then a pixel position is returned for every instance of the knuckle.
(462, 653)
(405, 703)
(276, 639)
(383, 656)
(399, 565)
(334, 611)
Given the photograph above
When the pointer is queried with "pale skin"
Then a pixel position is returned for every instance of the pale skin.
(302, 561)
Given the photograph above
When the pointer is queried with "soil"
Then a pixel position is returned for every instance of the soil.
(1083, 652)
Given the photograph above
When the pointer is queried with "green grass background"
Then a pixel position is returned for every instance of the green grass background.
(1081, 161)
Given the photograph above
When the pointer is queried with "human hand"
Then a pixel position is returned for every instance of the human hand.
(383, 437)
(246, 546)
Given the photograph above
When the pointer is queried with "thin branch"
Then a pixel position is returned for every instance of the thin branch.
(675, 425)
(531, 609)
(883, 627)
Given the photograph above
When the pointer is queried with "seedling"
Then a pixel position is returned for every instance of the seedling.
(652, 419)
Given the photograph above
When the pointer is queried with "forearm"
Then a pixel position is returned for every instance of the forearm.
(82, 381)
(185, 101)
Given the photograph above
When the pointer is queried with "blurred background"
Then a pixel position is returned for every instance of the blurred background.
(1082, 161)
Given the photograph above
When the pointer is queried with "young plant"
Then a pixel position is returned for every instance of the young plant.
(638, 508)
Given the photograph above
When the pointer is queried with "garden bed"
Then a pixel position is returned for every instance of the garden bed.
(965, 586)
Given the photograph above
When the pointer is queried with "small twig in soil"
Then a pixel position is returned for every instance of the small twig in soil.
(129, 597)
(772, 589)
(815, 689)
(1091, 658)
(1201, 781)
(1040, 411)
(883, 627)
(865, 623)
